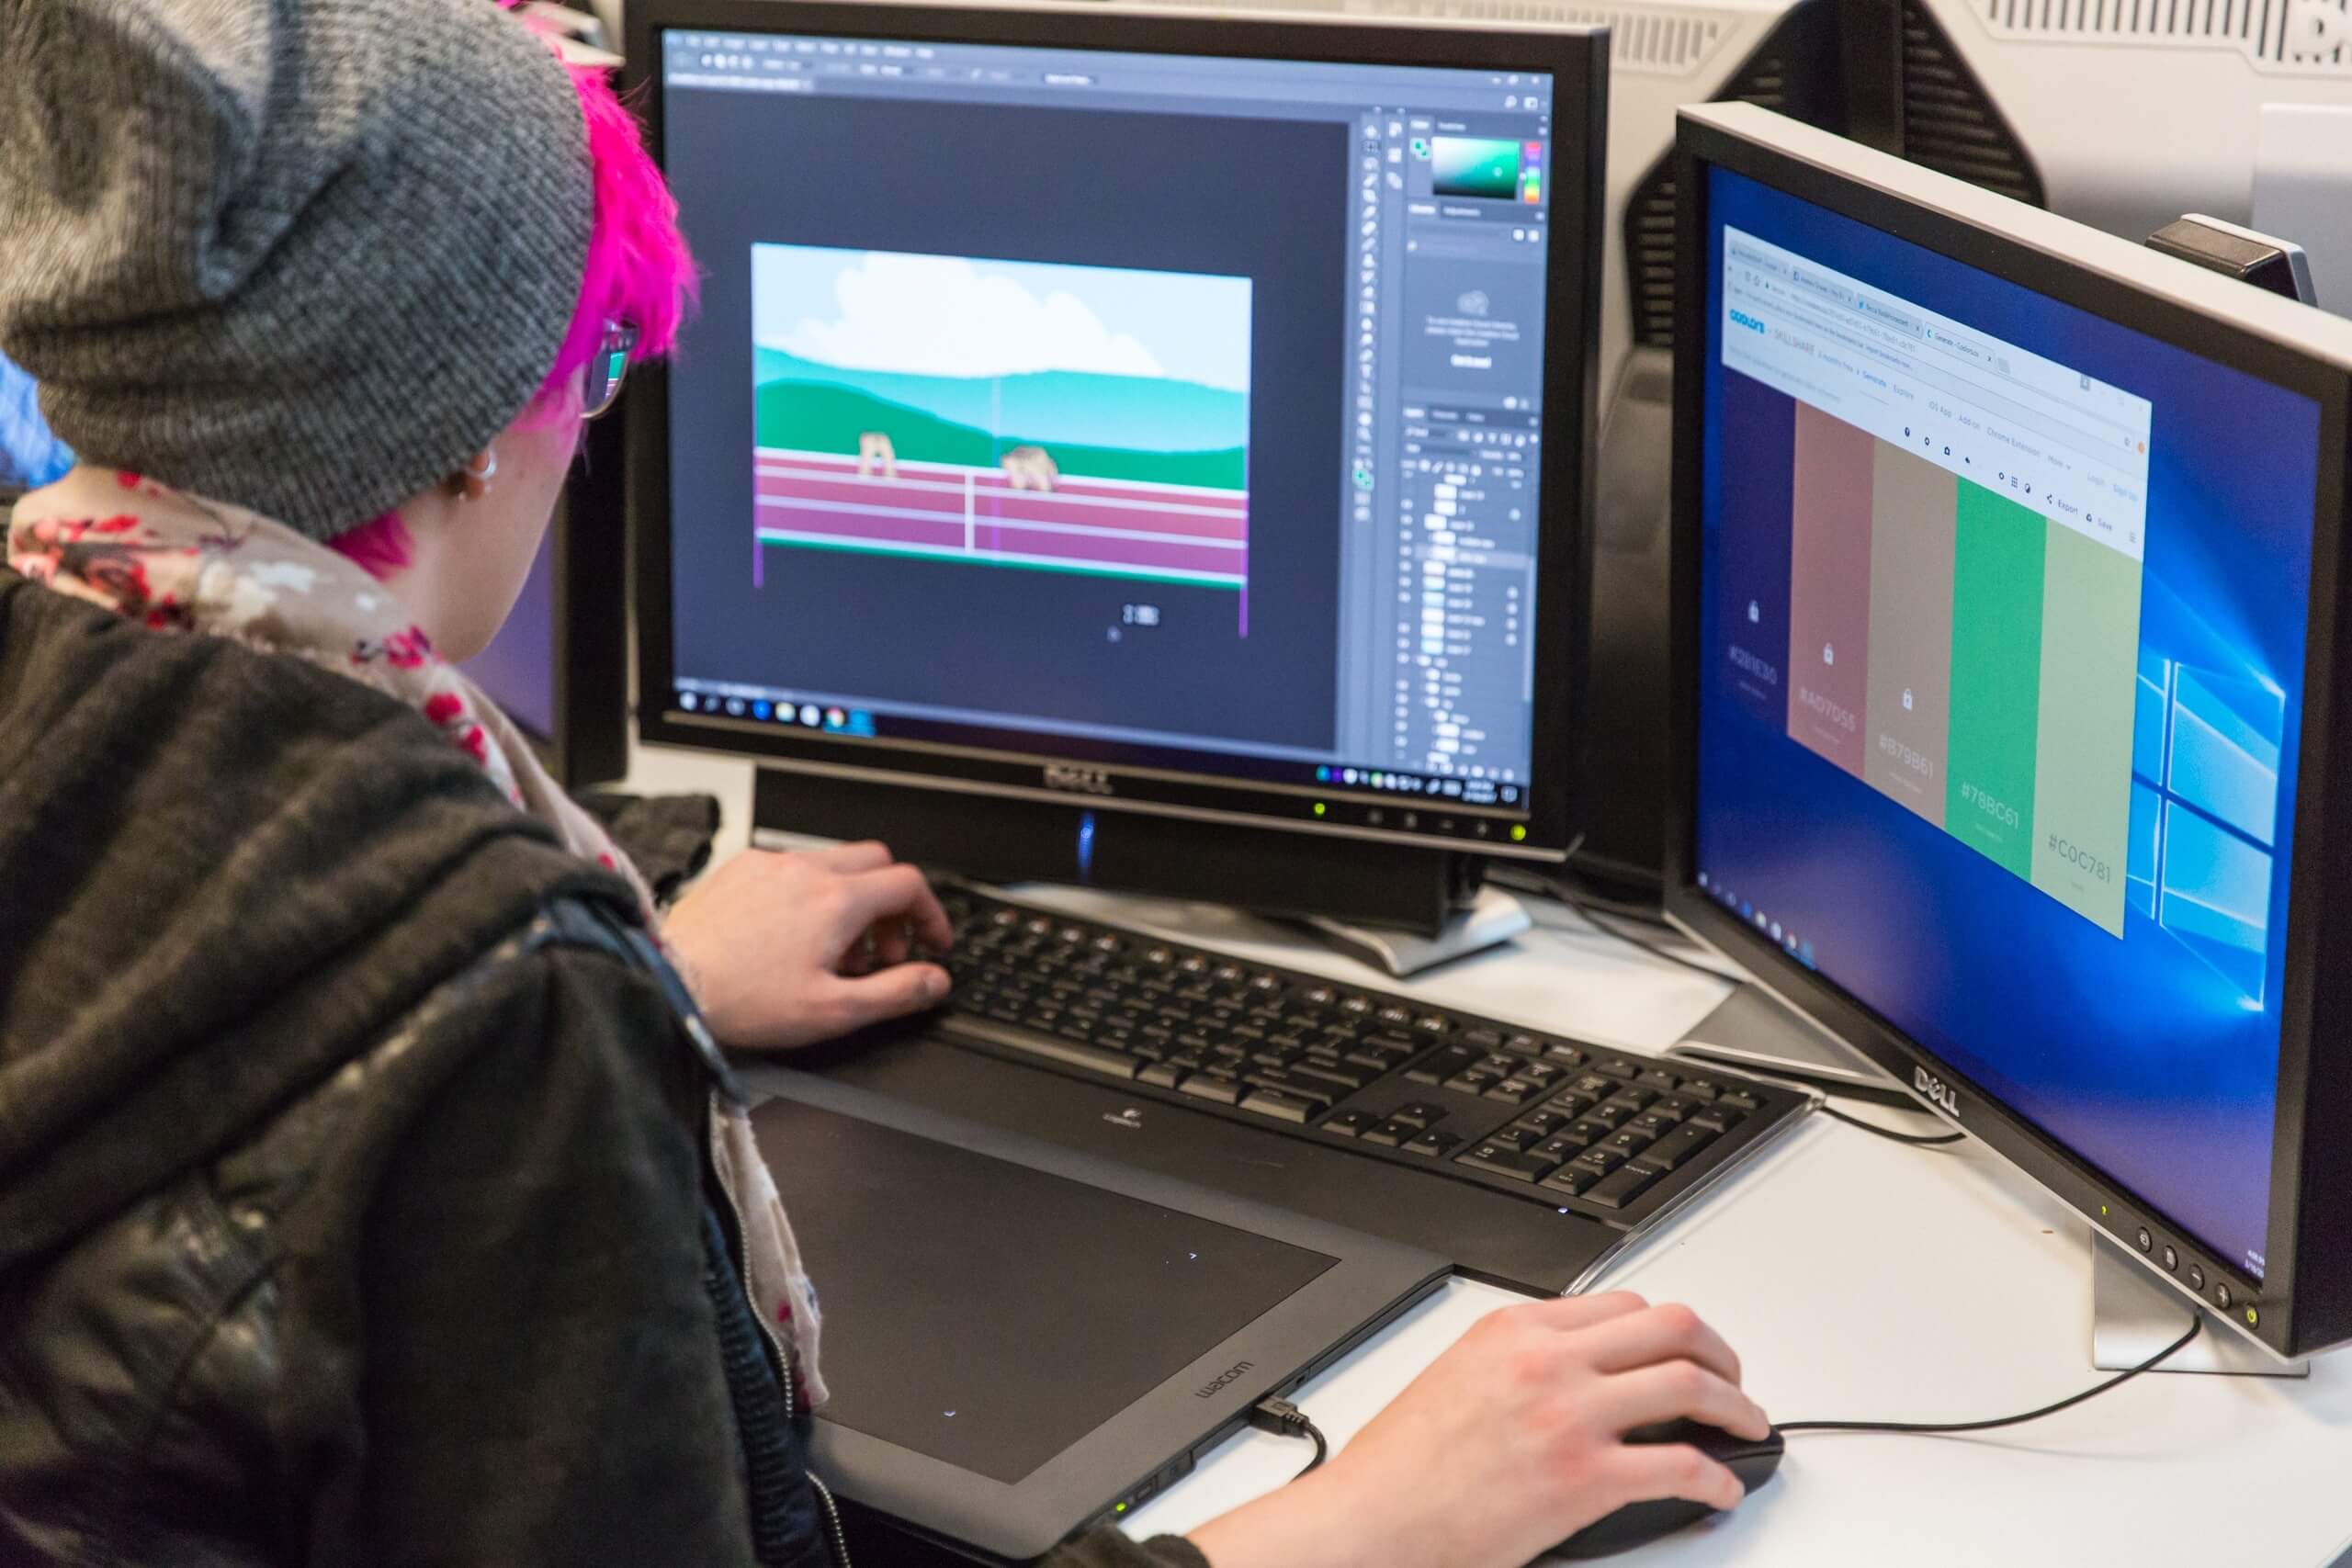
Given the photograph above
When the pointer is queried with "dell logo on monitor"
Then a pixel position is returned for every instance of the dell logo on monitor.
(1742, 319)
(1228, 1375)
(1084, 781)
(1935, 1088)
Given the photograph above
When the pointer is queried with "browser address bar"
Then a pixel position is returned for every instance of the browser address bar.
(1861, 336)
(2034, 405)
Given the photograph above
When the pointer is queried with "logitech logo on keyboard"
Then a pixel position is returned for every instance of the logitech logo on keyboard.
(1230, 1375)
(1130, 1118)
(1935, 1088)
(1082, 780)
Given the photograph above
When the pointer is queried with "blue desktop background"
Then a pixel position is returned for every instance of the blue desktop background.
(2153, 1057)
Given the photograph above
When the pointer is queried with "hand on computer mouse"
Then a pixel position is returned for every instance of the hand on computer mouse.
(1509, 1443)
(786, 950)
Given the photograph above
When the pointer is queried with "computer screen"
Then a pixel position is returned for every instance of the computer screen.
(2001, 647)
(517, 670)
(1167, 413)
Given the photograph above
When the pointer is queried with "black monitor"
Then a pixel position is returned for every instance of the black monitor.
(2009, 708)
(558, 665)
(1121, 446)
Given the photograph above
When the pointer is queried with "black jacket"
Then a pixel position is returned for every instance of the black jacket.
(355, 1206)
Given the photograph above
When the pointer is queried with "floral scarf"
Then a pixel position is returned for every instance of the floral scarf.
(178, 563)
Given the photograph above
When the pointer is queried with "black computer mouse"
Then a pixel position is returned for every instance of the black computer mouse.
(1638, 1524)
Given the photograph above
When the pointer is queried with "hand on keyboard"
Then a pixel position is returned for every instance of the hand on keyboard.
(788, 950)
(1510, 1442)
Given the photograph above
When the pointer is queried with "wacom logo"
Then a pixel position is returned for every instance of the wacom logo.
(1230, 1375)
(1742, 319)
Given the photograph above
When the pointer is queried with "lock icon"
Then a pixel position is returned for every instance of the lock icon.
(1828, 654)
(1906, 699)
(1755, 612)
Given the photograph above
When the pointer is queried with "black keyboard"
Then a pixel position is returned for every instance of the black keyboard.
(1582, 1127)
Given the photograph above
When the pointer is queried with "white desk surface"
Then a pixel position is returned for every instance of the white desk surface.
(1856, 1279)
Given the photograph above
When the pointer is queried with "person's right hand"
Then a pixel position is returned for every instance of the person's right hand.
(1509, 1443)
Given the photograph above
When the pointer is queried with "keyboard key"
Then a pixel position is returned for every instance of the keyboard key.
(1166, 1075)
(1282, 1106)
(1518, 1138)
(1523, 1044)
(1396, 1016)
(1702, 1089)
(1396, 1046)
(1334, 1074)
(1419, 1113)
(1660, 1079)
(1471, 1082)
(1430, 1024)
(1441, 1065)
(1213, 1086)
(1678, 1147)
(1738, 1102)
(1716, 1119)
(1674, 1107)
(1619, 1068)
(1571, 1179)
(1591, 1129)
(1544, 1124)
(1281, 1079)
(1565, 1055)
(1629, 1142)
(1600, 1162)
(1611, 1116)
(1594, 1085)
(1651, 1124)
(1321, 995)
(1571, 1104)
(1484, 1039)
(1514, 1091)
(1434, 1144)
(1069, 1052)
(1559, 1148)
(1502, 1160)
(1351, 1124)
(1617, 1191)
(1632, 1099)
(1389, 1134)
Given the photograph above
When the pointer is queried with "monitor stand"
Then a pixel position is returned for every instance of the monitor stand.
(2133, 1317)
(1493, 918)
(1751, 1031)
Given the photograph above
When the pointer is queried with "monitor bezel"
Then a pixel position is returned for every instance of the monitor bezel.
(1578, 59)
(2147, 293)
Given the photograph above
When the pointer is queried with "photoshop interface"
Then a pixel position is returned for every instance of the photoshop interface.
(1999, 717)
(1267, 508)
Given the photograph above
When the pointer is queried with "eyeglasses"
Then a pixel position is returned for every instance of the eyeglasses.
(601, 383)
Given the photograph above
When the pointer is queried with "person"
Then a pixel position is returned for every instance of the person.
(369, 1187)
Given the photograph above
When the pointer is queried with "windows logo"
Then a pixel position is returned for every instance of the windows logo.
(2204, 808)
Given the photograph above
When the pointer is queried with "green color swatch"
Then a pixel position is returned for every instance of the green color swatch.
(2082, 797)
(1997, 628)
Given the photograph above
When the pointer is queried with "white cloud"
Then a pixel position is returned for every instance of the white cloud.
(944, 316)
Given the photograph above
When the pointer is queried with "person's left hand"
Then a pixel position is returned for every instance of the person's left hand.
(786, 950)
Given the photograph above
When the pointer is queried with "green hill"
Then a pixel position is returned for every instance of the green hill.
(1133, 412)
(807, 417)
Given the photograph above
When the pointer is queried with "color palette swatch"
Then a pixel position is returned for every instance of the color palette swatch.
(1967, 657)
(1482, 168)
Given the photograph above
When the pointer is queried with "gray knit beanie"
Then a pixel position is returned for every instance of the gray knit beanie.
(305, 256)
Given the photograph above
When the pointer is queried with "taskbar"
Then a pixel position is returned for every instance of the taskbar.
(837, 720)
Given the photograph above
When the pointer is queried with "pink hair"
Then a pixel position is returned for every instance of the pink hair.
(639, 271)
